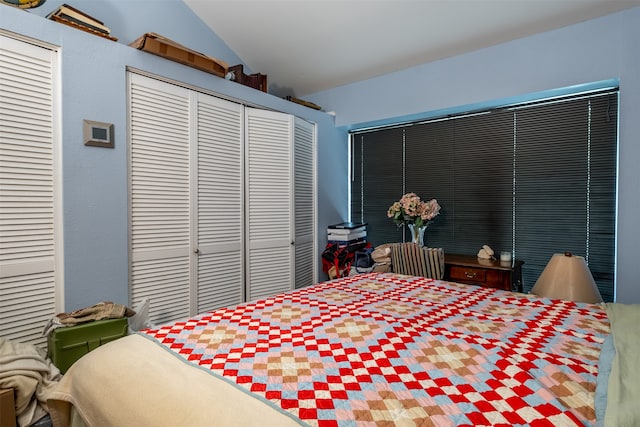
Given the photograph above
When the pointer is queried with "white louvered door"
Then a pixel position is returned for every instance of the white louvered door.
(304, 202)
(160, 204)
(269, 207)
(219, 214)
(212, 200)
(29, 294)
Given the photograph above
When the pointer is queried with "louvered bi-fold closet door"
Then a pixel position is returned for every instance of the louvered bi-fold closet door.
(269, 141)
(304, 202)
(160, 203)
(27, 204)
(220, 192)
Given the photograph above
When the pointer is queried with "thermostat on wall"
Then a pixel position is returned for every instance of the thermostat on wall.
(97, 134)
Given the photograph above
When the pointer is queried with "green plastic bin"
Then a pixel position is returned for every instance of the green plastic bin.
(68, 344)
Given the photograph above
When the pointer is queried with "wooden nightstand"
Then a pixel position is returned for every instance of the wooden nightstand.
(7, 408)
(471, 270)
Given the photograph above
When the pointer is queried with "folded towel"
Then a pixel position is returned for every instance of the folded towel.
(101, 311)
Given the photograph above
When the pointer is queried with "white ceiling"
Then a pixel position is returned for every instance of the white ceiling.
(306, 46)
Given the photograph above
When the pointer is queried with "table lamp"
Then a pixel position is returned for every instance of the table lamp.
(567, 277)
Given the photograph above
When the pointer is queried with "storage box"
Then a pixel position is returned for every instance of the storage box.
(167, 48)
(7, 408)
(303, 102)
(68, 344)
(256, 81)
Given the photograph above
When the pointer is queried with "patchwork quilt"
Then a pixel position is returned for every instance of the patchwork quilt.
(383, 349)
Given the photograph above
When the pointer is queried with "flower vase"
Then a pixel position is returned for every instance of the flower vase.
(417, 234)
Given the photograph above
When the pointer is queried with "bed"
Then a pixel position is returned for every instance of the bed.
(376, 349)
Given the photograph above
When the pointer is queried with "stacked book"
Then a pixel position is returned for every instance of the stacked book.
(73, 17)
(347, 233)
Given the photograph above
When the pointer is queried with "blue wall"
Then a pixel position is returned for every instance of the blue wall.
(593, 51)
(128, 20)
(93, 84)
(94, 87)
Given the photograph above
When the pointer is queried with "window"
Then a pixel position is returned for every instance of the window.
(533, 179)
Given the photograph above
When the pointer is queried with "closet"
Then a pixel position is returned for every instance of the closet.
(222, 200)
(30, 273)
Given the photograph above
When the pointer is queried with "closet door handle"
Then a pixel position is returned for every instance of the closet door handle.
(196, 251)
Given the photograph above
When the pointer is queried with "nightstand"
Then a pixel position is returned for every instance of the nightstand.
(7, 408)
(471, 270)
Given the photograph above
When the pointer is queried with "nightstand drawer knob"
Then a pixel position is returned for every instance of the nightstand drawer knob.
(470, 275)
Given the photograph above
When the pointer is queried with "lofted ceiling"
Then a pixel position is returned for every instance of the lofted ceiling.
(306, 46)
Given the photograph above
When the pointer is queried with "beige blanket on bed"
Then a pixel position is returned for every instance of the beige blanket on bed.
(156, 389)
(624, 385)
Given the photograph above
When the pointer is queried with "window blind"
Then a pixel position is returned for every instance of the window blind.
(534, 180)
(377, 179)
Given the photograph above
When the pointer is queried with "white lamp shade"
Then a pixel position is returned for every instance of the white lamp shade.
(567, 277)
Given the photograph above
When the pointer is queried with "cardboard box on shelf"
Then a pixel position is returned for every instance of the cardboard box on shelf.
(303, 102)
(167, 48)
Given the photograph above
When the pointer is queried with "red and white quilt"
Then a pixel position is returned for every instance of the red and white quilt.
(392, 350)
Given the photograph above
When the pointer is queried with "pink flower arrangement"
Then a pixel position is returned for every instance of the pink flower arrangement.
(410, 209)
